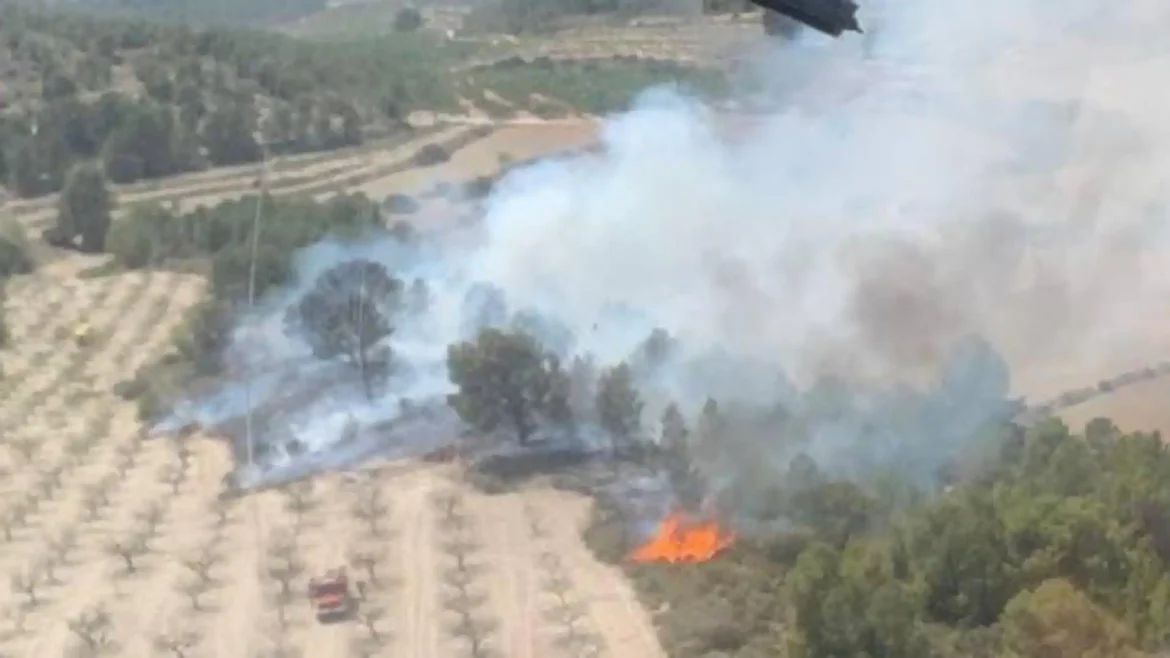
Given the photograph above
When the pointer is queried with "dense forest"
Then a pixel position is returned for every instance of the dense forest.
(151, 100)
(205, 12)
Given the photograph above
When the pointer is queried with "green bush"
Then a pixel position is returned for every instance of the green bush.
(430, 156)
(15, 257)
(408, 19)
(5, 332)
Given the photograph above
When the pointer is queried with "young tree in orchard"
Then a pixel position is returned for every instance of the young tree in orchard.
(348, 314)
(506, 379)
(619, 406)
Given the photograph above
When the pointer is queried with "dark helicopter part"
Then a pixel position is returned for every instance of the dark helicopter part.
(829, 16)
(779, 25)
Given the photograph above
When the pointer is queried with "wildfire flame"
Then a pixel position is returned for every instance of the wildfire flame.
(680, 540)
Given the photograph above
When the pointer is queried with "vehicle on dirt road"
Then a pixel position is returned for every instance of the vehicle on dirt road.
(332, 599)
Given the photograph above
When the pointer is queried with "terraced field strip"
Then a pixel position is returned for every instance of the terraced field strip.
(317, 176)
(277, 165)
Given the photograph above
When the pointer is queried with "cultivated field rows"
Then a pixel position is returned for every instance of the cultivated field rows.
(704, 44)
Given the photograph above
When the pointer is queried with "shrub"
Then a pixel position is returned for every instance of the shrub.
(15, 257)
(408, 19)
(430, 156)
(400, 204)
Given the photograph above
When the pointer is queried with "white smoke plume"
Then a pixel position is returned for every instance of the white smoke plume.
(993, 169)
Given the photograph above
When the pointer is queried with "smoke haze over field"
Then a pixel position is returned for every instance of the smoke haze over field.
(956, 172)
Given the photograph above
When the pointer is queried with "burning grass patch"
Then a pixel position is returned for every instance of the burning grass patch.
(729, 605)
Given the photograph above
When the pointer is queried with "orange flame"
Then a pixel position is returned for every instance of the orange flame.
(681, 540)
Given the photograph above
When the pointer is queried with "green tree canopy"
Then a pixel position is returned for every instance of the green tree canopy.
(348, 314)
(84, 208)
(506, 380)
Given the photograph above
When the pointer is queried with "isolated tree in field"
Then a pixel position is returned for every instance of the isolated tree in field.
(504, 379)
(370, 617)
(366, 561)
(129, 551)
(15, 257)
(408, 19)
(27, 582)
(92, 627)
(371, 511)
(84, 208)
(174, 476)
(299, 500)
(96, 500)
(194, 589)
(151, 518)
(619, 406)
(11, 521)
(347, 315)
(284, 570)
(25, 447)
(201, 564)
(177, 644)
(62, 545)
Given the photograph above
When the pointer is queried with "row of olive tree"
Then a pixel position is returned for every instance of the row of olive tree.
(135, 139)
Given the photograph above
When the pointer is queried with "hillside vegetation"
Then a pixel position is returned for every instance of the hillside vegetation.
(1059, 545)
(1042, 542)
(205, 12)
(152, 100)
